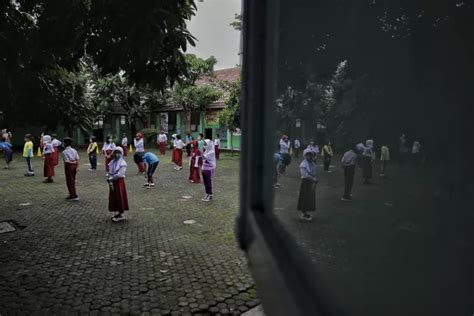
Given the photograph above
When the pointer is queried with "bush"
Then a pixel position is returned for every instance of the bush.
(149, 135)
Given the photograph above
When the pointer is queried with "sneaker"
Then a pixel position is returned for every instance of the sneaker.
(206, 198)
(48, 181)
(146, 184)
(151, 186)
(306, 217)
(90, 169)
(179, 168)
(118, 218)
(346, 199)
(75, 199)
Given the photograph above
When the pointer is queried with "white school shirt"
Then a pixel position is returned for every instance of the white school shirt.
(108, 146)
(139, 146)
(349, 158)
(124, 142)
(162, 138)
(56, 143)
(314, 149)
(217, 142)
(70, 155)
(117, 169)
(308, 170)
(48, 148)
(284, 146)
(179, 144)
(416, 147)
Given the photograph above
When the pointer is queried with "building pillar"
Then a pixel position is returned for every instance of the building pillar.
(201, 122)
(117, 127)
(229, 139)
(178, 123)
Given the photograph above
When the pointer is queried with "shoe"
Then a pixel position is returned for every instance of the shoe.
(179, 168)
(306, 217)
(146, 184)
(346, 199)
(151, 186)
(206, 198)
(118, 218)
(91, 169)
(48, 181)
(75, 199)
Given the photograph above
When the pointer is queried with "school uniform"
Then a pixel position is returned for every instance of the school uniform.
(7, 151)
(71, 164)
(56, 144)
(173, 152)
(384, 159)
(162, 140)
(139, 150)
(125, 146)
(208, 168)
(92, 153)
(118, 200)
(284, 152)
(28, 155)
(307, 195)
(179, 153)
(327, 154)
(48, 154)
(367, 157)
(108, 150)
(348, 163)
(195, 162)
(152, 161)
(217, 148)
(189, 139)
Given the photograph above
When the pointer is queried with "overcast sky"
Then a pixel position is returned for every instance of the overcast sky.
(214, 34)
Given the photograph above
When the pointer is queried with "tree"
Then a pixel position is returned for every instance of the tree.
(237, 23)
(190, 95)
(229, 117)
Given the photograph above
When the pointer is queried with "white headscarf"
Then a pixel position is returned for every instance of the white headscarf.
(46, 138)
(116, 164)
(209, 154)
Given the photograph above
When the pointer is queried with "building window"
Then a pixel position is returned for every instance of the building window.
(123, 120)
(195, 121)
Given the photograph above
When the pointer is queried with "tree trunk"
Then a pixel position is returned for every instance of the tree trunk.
(187, 116)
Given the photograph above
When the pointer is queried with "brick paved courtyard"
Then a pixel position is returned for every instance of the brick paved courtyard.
(70, 258)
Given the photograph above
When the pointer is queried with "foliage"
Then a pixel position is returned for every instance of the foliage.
(237, 23)
(190, 95)
(149, 134)
(229, 117)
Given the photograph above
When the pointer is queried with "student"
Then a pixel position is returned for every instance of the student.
(179, 145)
(139, 150)
(7, 136)
(307, 195)
(416, 152)
(92, 153)
(28, 155)
(314, 149)
(124, 144)
(7, 152)
(217, 146)
(284, 152)
(150, 162)
(118, 200)
(277, 160)
(162, 140)
(327, 154)
(367, 158)
(48, 157)
(56, 144)
(107, 151)
(384, 159)
(348, 164)
(200, 141)
(296, 148)
(174, 141)
(195, 162)
(71, 168)
(208, 168)
(188, 140)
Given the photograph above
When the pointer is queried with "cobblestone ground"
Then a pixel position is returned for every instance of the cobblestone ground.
(70, 258)
(399, 248)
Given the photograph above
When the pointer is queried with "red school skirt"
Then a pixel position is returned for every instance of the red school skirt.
(118, 200)
(108, 160)
(56, 156)
(48, 165)
(178, 157)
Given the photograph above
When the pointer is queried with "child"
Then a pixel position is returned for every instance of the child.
(162, 140)
(174, 141)
(28, 155)
(208, 167)
(150, 162)
(200, 141)
(384, 159)
(327, 154)
(367, 158)
(56, 144)
(348, 163)
(118, 201)
(189, 139)
(277, 160)
(107, 151)
(124, 144)
(314, 149)
(7, 152)
(48, 156)
(194, 163)
(92, 152)
(139, 150)
(415, 151)
(284, 152)
(71, 168)
(217, 146)
(296, 148)
(178, 160)
(307, 196)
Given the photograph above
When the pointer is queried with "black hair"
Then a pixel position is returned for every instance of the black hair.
(67, 141)
(201, 134)
(93, 138)
(28, 136)
(178, 136)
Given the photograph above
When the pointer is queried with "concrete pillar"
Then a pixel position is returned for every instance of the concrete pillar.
(178, 123)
